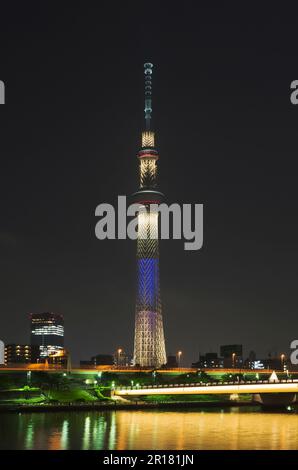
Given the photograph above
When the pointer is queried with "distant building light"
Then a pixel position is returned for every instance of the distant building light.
(258, 365)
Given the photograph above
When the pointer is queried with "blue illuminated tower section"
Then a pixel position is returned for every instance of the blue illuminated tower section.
(149, 343)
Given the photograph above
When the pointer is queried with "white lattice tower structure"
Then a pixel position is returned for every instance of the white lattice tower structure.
(149, 343)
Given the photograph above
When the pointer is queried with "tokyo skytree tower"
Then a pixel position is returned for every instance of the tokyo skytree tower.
(149, 343)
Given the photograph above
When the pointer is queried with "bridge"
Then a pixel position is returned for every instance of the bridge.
(259, 386)
(263, 391)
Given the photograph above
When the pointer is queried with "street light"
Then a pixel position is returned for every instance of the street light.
(179, 354)
(282, 360)
(119, 351)
(29, 377)
(233, 360)
(154, 376)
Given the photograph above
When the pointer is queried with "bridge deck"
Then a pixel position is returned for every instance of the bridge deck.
(285, 386)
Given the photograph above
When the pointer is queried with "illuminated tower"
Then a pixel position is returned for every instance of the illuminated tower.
(149, 343)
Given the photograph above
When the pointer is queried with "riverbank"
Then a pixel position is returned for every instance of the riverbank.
(112, 406)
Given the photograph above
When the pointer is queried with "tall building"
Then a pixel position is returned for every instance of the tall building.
(149, 343)
(47, 332)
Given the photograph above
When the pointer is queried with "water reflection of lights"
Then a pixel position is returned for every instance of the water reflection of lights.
(86, 435)
(213, 429)
(64, 435)
(112, 433)
(29, 436)
(206, 430)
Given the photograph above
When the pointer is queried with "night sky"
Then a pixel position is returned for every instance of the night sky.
(226, 132)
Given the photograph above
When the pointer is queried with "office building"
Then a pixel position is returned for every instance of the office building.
(47, 332)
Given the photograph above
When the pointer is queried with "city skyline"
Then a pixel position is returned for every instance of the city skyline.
(46, 342)
(227, 136)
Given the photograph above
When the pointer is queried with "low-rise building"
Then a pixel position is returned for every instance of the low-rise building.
(208, 361)
(20, 354)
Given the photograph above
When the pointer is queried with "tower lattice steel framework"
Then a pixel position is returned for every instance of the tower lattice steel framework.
(149, 343)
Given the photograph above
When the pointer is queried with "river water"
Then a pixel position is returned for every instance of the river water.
(150, 429)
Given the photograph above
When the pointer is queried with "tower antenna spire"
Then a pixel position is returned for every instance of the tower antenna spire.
(148, 93)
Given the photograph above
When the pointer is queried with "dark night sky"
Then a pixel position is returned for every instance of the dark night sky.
(227, 137)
